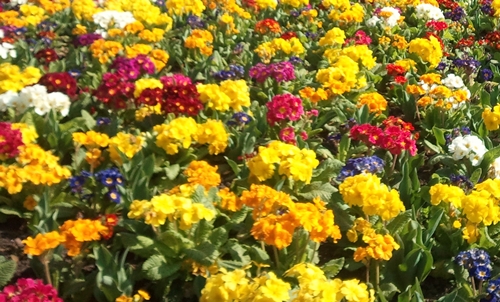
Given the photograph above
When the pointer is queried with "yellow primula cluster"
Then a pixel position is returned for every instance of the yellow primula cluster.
(276, 217)
(229, 94)
(263, 4)
(72, 234)
(429, 50)
(84, 9)
(53, 6)
(295, 163)
(375, 102)
(35, 165)
(314, 286)
(145, 83)
(481, 207)
(200, 39)
(431, 92)
(104, 50)
(143, 10)
(183, 131)
(342, 76)
(175, 207)
(125, 143)
(345, 12)
(334, 36)
(267, 50)
(374, 198)
(491, 118)
(358, 53)
(13, 79)
(185, 7)
(236, 286)
(295, 3)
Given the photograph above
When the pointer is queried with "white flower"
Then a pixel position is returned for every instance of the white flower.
(7, 50)
(468, 146)
(453, 81)
(394, 17)
(21, 104)
(6, 99)
(372, 22)
(59, 102)
(102, 32)
(428, 12)
(18, 2)
(2, 34)
(119, 19)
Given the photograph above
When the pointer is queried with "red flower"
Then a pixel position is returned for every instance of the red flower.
(395, 70)
(59, 81)
(47, 55)
(10, 140)
(437, 25)
(288, 35)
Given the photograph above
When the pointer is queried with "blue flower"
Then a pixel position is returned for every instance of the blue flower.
(242, 118)
(103, 121)
(482, 272)
(110, 177)
(76, 183)
(355, 166)
(485, 75)
(114, 196)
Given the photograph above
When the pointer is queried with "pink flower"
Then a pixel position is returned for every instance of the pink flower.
(29, 290)
(287, 135)
(284, 107)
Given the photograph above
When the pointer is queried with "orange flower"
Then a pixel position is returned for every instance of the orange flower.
(42, 242)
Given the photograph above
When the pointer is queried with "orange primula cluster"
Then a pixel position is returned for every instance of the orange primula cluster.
(277, 217)
(72, 234)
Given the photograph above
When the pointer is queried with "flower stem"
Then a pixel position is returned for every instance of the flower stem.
(377, 274)
(368, 271)
(473, 286)
(45, 262)
(276, 257)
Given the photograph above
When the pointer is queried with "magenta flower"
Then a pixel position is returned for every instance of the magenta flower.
(284, 107)
(29, 290)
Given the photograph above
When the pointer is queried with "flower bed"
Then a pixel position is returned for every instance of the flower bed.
(249, 150)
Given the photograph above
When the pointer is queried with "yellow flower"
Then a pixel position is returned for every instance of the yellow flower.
(213, 133)
(200, 172)
(30, 203)
(41, 243)
(429, 50)
(125, 143)
(376, 102)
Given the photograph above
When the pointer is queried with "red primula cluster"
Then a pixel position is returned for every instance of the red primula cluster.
(109, 221)
(284, 107)
(394, 135)
(288, 35)
(10, 140)
(59, 82)
(267, 25)
(115, 90)
(397, 71)
(47, 55)
(491, 39)
(465, 42)
(179, 96)
(436, 25)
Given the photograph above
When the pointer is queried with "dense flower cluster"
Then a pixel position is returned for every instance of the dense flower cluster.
(375, 102)
(284, 107)
(27, 289)
(477, 262)
(468, 146)
(355, 166)
(10, 140)
(394, 136)
(229, 94)
(280, 72)
(374, 198)
(293, 162)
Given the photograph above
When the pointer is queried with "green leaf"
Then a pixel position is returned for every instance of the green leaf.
(218, 237)
(89, 120)
(10, 211)
(173, 171)
(476, 175)
(318, 189)
(398, 223)
(140, 245)
(259, 255)
(333, 267)
(489, 158)
(205, 253)
(7, 270)
(439, 135)
(156, 267)
(233, 165)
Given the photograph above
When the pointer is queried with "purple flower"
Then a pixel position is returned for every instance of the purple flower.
(87, 39)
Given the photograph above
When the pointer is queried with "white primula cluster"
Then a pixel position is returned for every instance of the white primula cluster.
(389, 17)
(7, 50)
(427, 12)
(119, 19)
(35, 96)
(453, 81)
(469, 146)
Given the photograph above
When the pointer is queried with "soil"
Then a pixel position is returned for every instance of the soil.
(12, 232)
